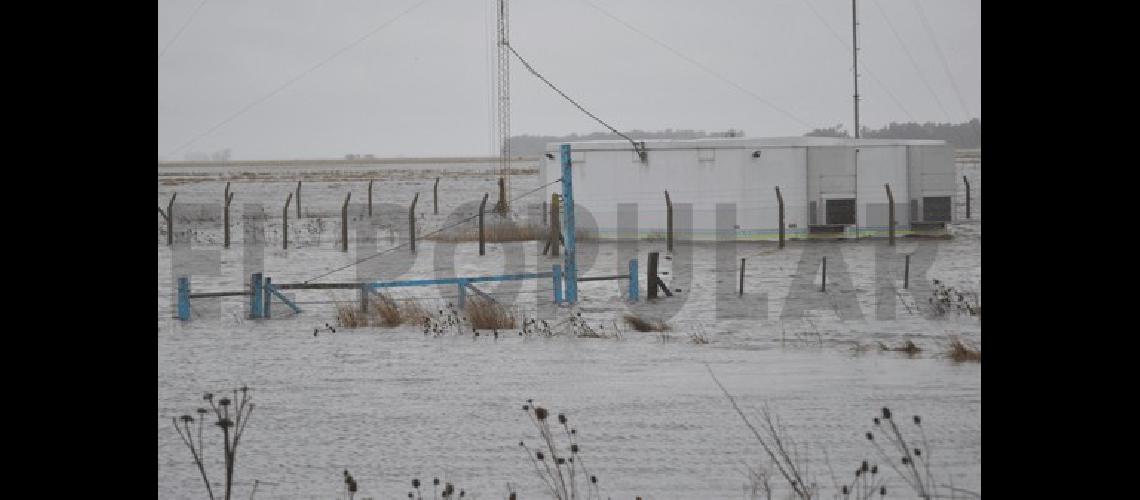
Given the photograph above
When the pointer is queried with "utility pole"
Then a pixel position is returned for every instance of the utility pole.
(855, 61)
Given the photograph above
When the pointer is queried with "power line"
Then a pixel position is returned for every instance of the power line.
(636, 147)
(704, 68)
(180, 30)
(870, 73)
(910, 57)
(293, 80)
(942, 59)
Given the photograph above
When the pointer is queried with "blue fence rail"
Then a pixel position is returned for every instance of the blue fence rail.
(262, 290)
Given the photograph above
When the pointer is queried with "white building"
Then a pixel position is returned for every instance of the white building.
(828, 185)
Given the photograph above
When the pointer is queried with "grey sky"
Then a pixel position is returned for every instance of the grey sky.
(421, 85)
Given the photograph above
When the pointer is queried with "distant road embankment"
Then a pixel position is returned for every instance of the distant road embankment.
(968, 154)
(358, 162)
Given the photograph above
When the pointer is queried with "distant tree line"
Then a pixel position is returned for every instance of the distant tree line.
(534, 145)
(967, 135)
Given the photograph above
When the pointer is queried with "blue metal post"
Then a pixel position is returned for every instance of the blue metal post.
(633, 285)
(462, 294)
(183, 298)
(267, 298)
(557, 284)
(255, 296)
(571, 256)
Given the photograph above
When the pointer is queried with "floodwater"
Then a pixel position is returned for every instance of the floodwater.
(390, 405)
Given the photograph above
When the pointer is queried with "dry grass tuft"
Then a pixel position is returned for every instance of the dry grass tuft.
(382, 311)
(907, 347)
(483, 313)
(495, 232)
(643, 325)
(350, 316)
(961, 352)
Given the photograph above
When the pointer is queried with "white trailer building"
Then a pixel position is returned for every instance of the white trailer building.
(830, 186)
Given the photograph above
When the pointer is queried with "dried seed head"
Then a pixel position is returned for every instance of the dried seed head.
(886, 413)
(526, 407)
(208, 397)
(917, 452)
(436, 480)
(865, 467)
(905, 460)
(186, 418)
(562, 418)
(574, 448)
(416, 483)
(874, 469)
(883, 491)
(410, 495)
(876, 420)
(845, 489)
(201, 411)
(594, 479)
(539, 455)
(561, 461)
(870, 437)
(540, 413)
(917, 420)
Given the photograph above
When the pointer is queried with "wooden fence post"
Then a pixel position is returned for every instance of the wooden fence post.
(255, 295)
(544, 212)
(651, 276)
(412, 222)
(555, 224)
(228, 197)
(435, 195)
(824, 280)
(298, 200)
(170, 220)
(741, 294)
(365, 289)
(780, 201)
(668, 222)
(906, 273)
(967, 181)
(482, 238)
(344, 223)
(370, 197)
(890, 213)
(285, 222)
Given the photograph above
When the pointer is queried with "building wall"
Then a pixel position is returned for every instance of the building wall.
(702, 177)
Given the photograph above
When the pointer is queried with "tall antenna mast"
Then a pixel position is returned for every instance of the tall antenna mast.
(503, 88)
(855, 61)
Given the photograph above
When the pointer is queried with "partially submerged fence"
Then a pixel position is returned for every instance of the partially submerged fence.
(564, 277)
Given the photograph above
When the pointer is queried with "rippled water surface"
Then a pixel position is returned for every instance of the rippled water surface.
(390, 404)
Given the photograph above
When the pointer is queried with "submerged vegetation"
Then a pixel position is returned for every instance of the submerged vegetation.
(962, 352)
(559, 465)
(908, 457)
(646, 325)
